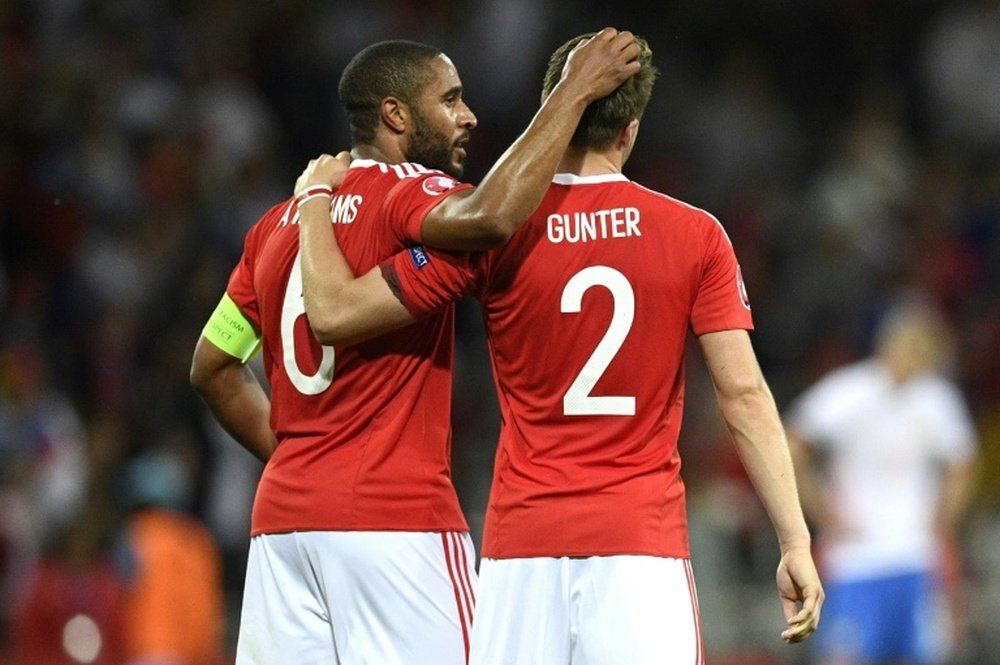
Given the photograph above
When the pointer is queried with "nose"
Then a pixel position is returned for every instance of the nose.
(466, 118)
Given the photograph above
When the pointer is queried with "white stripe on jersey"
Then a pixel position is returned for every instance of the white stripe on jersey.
(402, 170)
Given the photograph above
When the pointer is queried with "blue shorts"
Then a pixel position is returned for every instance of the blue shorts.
(881, 620)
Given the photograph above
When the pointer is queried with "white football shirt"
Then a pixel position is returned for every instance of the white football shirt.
(886, 446)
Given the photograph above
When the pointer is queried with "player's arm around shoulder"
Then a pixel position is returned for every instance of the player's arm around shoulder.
(340, 307)
(751, 415)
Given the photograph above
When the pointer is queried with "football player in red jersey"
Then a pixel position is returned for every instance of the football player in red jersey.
(360, 552)
(587, 309)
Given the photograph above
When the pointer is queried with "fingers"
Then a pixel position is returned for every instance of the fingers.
(799, 628)
(623, 46)
(610, 34)
(624, 41)
(802, 623)
(324, 170)
(630, 48)
(629, 51)
(600, 64)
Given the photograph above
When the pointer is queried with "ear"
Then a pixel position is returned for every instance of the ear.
(627, 138)
(395, 114)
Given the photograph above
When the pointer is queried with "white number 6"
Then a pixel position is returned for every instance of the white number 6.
(294, 307)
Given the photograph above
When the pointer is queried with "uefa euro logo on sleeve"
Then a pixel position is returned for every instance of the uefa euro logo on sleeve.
(419, 257)
(742, 287)
(437, 184)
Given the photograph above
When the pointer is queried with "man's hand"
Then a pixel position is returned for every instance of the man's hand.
(324, 170)
(798, 583)
(597, 66)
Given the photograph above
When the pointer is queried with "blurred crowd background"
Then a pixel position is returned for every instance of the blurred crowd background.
(850, 148)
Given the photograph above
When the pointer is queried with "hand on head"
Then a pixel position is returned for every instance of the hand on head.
(602, 63)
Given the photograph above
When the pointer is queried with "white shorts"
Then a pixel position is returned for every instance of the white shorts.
(357, 598)
(608, 610)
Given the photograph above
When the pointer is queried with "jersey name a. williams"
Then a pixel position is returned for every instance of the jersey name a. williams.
(343, 210)
(593, 225)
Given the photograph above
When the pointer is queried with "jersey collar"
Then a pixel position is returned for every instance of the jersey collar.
(364, 163)
(573, 179)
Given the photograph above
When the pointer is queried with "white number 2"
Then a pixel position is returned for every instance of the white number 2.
(294, 307)
(578, 401)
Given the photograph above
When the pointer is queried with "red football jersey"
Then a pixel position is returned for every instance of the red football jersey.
(587, 312)
(364, 432)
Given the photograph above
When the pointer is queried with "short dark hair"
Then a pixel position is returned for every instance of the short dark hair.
(605, 118)
(392, 68)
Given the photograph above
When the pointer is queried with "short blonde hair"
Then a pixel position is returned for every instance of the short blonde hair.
(606, 117)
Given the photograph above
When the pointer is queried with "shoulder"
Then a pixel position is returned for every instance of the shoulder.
(834, 399)
(404, 171)
(854, 376)
(846, 385)
(673, 205)
(402, 181)
(937, 390)
(279, 215)
(688, 216)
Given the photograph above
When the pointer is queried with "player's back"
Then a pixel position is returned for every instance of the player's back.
(363, 431)
(588, 310)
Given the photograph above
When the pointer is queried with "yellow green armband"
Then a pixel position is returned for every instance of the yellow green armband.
(229, 330)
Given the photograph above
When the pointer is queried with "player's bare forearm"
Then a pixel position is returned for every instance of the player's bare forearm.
(753, 422)
(325, 271)
(953, 497)
(487, 216)
(341, 309)
(752, 418)
(235, 397)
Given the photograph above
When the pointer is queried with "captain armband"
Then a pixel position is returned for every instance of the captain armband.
(230, 330)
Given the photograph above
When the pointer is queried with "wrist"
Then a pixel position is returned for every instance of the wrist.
(566, 97)
(314, 192)
(799, 543)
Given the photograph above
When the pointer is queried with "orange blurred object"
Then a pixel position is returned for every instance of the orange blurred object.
(174, 609)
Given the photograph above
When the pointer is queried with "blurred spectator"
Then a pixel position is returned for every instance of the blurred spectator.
(961, 63)
(850, 148)
(885, 449)
(858, 193)
(174, 611)
(68, 606)
(43, 465)
(739, 132)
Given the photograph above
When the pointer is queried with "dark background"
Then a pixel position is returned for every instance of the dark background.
(849, 148)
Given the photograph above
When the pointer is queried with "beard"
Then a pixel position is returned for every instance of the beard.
(431, 148)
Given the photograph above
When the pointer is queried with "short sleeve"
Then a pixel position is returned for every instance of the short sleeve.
(425, 279)
(957, 432)
(721, 301)
(241, 280)
(814, 414)
(819, 414)
(409, 201)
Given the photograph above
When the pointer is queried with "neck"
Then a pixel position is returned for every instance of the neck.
(380, 153)
(583, 162)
